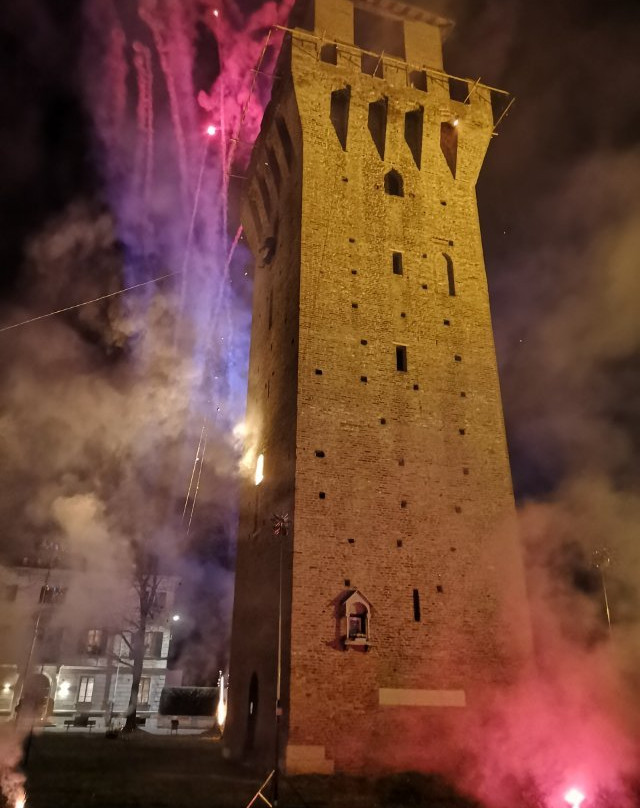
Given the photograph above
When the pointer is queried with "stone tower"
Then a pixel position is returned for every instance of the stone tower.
(374, 412)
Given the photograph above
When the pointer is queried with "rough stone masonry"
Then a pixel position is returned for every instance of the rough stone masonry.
(398, 590)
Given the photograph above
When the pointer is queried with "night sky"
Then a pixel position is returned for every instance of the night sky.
(560, 172)
(559, 201)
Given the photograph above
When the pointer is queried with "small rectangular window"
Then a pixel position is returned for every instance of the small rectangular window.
(52, 594)
(372, 65)
(85, 691)
(397, 263)
(9, 592)
(418, 80)
(94, 642)
(416, 605)
(401, 358)
(329, 53)
(144, 689)
(153, 644)
(458, 90)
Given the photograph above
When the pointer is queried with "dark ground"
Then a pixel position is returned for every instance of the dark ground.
(89, 771)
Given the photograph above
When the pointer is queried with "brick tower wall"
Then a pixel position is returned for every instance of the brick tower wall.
(401, 483)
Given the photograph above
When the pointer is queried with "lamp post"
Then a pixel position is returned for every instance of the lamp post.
(53, 548)
(601, 560)
(281, 530)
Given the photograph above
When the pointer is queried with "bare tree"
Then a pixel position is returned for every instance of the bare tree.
(146, 580)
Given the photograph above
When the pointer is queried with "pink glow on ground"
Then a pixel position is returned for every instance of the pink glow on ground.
(574, 797)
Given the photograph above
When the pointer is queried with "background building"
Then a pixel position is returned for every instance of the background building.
(373, 405)
(78, 654)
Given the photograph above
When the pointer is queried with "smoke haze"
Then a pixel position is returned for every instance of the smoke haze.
(101, 410)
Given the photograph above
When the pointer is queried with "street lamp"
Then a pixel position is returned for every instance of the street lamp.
(281, 530)
(280, 527)
(601, 560)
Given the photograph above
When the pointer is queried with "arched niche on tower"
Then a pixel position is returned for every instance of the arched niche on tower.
(355, 620)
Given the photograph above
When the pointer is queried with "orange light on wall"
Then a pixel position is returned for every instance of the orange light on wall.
(259, 477)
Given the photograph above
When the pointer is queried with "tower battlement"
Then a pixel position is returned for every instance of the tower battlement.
(396, 596)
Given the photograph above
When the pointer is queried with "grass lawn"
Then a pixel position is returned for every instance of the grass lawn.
(82, 770)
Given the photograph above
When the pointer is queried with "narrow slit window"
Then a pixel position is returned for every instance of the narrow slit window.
(270, 309)
(265, 195)
(285, 137)
(396, 258)
(401, 358)
(255, 214)
(416, 606)
(377, 123)
(413, 133)
(451, 280)
(275, 167)
(340, 100)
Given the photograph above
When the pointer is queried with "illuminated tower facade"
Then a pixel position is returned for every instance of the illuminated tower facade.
(398, 590)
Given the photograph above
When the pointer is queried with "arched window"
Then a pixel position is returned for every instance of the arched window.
(451, 281)
(356, 614)
(393, 183)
